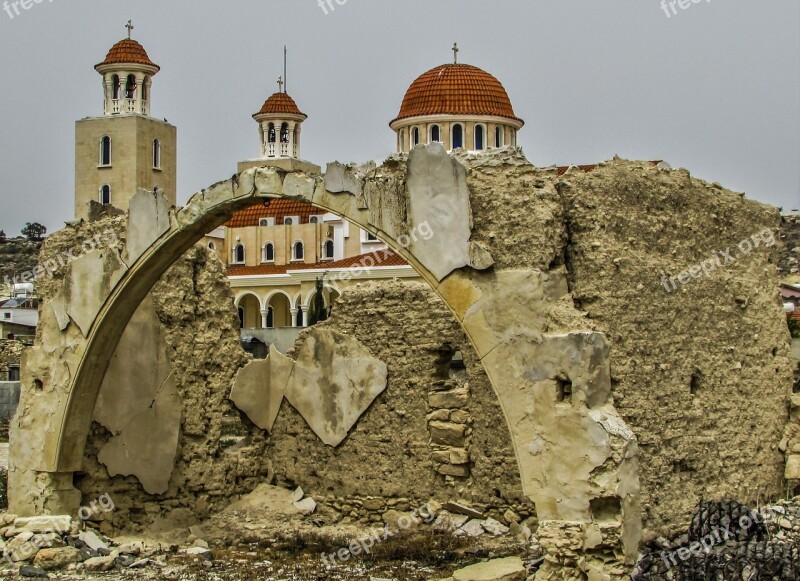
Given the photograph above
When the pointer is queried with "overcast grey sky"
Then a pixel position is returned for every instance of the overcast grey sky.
(714, 88)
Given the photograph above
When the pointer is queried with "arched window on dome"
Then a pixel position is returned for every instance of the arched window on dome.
(145, 83)
(458, 136)
(130, 87)
(105, 151)
(285, 133)
(115, 86)
(414, 136)
(105, 195)
(498, 136)
(436, 134)
(271, 133)
(480, 133)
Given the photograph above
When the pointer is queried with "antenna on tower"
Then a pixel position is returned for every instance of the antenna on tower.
(285, 53)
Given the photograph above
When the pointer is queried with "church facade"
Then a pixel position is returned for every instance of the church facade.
(278, 255)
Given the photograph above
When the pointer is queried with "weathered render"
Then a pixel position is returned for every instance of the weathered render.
(542, 272)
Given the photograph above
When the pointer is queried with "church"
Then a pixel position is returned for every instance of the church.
(278, 255)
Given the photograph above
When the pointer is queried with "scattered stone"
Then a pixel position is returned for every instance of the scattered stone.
(200, 552)
(100, 563)
(462, 509)
(494, 527)
(43, 524)
(57, 558)
(509, 569)
(447, 521)
(31, 571)
(511, 517)
(20, 548)
(306, 506)
(92, 541)
(297, 495)
(473, 528)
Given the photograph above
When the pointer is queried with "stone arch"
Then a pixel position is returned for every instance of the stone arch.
(240, 297)
(563, 476)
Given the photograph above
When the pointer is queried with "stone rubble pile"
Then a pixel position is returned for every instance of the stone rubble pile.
(35, 545)
(728, 540)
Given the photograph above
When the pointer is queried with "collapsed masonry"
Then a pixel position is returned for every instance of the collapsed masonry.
(593, 401)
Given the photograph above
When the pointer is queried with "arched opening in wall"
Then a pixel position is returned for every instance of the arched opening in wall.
(249, 309)
(145, 88)
(414, 136)
(285, 133)
(280, 307)
(498, 136)
(458, 136)
(328, 250)
(115, 87)
(270, 318)
(240, 311)
(130, 87)
(271, 133)
(252, 311)
(436, 134)
(105, 195)
(156, 154)
(479, 137)
(105, 151)
(238, 254)
(298, 251)
(269, 252)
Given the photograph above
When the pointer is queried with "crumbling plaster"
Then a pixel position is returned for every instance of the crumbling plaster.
(514, 285)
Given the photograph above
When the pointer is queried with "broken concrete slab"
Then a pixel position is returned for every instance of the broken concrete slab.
(260, 386)
(439, 197)
(335, 379)
(147, 446)
(90, 281)
(148, 220)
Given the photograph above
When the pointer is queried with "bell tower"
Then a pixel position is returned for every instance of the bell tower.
(124, 150)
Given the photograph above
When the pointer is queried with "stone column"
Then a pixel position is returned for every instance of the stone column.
(291, 139)
(264, 314)
(138, 106)
(305, 317)
(293, 312)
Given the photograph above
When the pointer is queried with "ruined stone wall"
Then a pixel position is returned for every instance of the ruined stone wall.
(700, 373)
(436, 432)
(194, 306)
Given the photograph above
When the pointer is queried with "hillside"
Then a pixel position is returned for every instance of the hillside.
(17, 255)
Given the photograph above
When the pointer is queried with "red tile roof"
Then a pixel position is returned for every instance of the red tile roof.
(378, 258)
(280, 103)
(128, 51)
(455, 89)
(277, 208)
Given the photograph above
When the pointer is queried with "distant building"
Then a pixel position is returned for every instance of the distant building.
(278, 253)
(124, 150)
(18, 318)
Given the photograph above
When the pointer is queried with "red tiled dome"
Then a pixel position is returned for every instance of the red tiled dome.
(280, 103)
(456, 89)
(128, 51)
